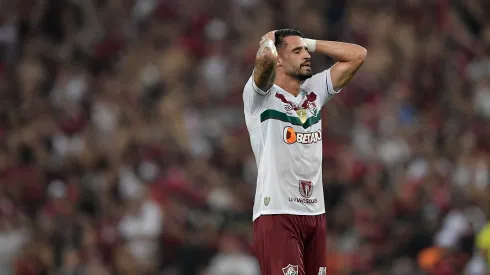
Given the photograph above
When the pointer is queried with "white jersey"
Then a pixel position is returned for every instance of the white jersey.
(286, 137)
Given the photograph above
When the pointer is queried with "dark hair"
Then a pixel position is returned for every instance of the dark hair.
(283, 33)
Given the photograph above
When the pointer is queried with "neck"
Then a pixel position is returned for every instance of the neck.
(287, 83)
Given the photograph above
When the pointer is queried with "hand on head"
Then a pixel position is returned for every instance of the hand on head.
(268, 36)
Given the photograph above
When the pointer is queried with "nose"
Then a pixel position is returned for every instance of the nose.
(307, 56)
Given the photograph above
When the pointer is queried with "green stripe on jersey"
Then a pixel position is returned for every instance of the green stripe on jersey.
(273, 114)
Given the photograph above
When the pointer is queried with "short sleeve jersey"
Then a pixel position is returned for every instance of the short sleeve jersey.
(286, 137)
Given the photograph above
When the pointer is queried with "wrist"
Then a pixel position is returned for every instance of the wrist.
(270, 45)
(310, 44)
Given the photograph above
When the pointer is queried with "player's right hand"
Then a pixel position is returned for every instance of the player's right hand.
(268, 36)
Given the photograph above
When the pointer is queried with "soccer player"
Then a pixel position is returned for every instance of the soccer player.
(282, 104)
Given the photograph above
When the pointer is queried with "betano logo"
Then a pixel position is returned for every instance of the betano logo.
(290, 136)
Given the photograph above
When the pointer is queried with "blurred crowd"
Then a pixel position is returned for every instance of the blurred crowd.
(123, 147)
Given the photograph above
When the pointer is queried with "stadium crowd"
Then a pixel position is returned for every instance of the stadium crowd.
(123, 147)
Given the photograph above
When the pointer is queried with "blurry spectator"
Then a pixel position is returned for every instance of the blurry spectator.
(232, 260)
(481, 260)
(14, 234)
(141, 227)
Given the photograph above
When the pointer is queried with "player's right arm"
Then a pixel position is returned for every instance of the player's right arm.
(265, 63)
(264, 75)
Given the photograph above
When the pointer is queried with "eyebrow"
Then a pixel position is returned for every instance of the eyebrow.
(298, 48)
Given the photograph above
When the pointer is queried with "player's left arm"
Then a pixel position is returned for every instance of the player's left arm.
(349, 57)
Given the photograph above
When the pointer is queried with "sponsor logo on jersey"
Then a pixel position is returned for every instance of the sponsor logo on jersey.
(322, 271)
(305, 188)
(290, 136)
(290, 270)
(267, 200)
(288, 109)
(303, 200)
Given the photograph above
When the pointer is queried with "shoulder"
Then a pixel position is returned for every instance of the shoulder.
(252, 89)
(251, 86)
(316, 80)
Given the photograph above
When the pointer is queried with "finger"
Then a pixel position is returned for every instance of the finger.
(271, 35)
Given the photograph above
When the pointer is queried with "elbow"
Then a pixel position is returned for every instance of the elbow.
(361, 54)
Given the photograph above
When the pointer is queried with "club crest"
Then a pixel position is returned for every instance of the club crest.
(290, 270)
(267, 200)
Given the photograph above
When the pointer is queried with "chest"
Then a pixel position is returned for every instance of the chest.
(302, 107)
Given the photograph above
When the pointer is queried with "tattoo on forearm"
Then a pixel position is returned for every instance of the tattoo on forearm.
(265, 67)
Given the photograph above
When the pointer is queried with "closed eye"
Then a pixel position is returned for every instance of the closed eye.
(298, 49)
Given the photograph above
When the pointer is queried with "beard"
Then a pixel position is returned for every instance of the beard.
(300, 73)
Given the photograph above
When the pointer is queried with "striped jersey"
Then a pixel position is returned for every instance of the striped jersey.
(286, 137)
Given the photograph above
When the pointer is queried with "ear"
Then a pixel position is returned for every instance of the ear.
(279, 61)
